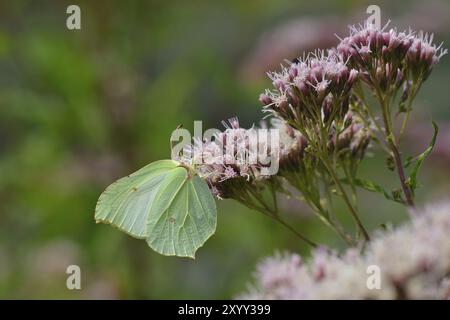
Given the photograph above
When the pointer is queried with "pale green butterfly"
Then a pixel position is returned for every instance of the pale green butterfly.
(164, 203)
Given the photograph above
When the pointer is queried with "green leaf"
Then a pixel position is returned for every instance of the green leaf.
(412, 180)
(372, 187)
(163, 203)
(409, 160)
(390, 164)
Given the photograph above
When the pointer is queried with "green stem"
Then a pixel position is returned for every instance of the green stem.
(264, 209)
(395, 151)
(347, 200)
(311, 200)
(329, 167)
(404, 123)
(411, 97)
(298, 234)
(374, 121)
(323, 216)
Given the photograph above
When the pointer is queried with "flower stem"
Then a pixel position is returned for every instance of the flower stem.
(317, 208)
(401, 174)
(331, 170)
(298, 234)
(265, 210)
(347, 201)
(395, 152)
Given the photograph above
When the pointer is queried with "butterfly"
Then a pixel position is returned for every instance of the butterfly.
(164, 203)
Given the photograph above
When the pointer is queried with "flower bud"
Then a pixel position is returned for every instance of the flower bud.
(265, 99)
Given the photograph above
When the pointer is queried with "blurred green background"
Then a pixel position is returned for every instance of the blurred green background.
(79, 109)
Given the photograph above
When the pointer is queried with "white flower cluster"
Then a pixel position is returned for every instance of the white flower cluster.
(413, 260)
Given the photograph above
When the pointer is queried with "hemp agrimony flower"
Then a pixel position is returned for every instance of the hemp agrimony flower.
(311, 90)
(414, 260)
(389, 57)
(319, 94)
(313, 95)
(229, 162)
(389, 61)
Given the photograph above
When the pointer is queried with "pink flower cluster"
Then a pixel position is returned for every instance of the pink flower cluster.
(306, 86)
(319, 85)
(390, 55)
(226, 161)
(413, 262)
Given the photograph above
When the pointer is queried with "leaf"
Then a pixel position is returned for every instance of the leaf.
(372, 187)
(397, 195)
(409, 160)
(390, 164)
(162, 203)
(412, 180)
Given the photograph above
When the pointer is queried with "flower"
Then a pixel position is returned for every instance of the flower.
(414, 263)
(303, 88)
(231, 162)
(389, 57)
(423, 54)
(275, 275)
